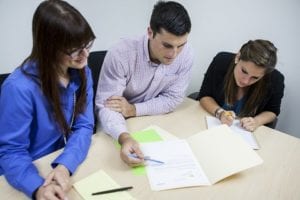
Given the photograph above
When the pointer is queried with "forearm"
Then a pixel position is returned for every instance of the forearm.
(209, 104)
(158, 105)
(113, 123)
(75, 150)
(265, 118)
(22, 175)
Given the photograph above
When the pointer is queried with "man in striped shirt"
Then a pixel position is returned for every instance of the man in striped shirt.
(145, 76)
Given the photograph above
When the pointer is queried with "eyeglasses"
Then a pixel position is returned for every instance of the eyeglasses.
(77, 52)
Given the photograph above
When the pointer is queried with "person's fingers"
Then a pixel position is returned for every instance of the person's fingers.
(59, 192)
(115, 98)
(53, 192)
(138, 151)
(113, 104)
(63, 182)
(130, 147)
(117, 109)
(48, 179)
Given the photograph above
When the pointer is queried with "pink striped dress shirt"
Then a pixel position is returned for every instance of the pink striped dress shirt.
(153, 88)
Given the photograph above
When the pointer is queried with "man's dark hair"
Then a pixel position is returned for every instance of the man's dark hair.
(170, 16)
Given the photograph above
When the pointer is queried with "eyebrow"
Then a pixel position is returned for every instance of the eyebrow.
(168, 45)
(245, 71)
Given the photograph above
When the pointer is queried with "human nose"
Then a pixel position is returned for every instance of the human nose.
(246, 80)
(85, 52)
(172, 53)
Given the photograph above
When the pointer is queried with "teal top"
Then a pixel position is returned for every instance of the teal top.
(236, 107)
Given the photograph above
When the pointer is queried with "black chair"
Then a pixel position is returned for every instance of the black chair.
(2, 79)
(272, 124)
(95, 61)
(194, 95)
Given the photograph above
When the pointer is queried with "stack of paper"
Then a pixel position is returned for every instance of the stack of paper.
(202, 159)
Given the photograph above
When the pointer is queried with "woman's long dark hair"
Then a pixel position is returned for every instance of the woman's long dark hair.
(57, 27)
(263, 54)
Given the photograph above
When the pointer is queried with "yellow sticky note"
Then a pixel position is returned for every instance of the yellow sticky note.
(100, 181)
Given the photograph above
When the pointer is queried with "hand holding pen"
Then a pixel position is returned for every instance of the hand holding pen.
(227, 117)
(146, 158)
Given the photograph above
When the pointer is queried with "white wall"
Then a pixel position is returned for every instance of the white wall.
(216, 26)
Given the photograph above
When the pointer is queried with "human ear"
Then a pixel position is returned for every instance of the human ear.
(150, 32)
(237, 58)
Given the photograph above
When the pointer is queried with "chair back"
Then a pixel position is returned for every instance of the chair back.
(272, 124)
(2, 79)
(95, 61)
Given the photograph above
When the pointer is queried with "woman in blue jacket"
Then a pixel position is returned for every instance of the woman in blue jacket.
(46, 103)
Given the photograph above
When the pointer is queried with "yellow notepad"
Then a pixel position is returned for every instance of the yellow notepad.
(100, 181)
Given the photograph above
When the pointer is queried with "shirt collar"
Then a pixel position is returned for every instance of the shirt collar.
(147, 51)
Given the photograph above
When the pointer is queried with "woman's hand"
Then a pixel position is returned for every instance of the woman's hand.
(227, 117)
(61, 176)
(249, 123)
(51, 191)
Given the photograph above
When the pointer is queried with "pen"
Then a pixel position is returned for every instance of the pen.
(113, 190)
(229, 114)
(146, 158)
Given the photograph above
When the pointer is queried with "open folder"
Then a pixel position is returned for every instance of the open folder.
(202, 159)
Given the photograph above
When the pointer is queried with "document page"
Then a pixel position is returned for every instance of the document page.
(236, 128)
(180, 168)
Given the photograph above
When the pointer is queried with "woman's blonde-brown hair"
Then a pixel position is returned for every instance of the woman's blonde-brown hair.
(263, 54)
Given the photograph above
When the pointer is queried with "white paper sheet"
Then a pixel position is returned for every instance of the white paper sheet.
(180, 168)
(236, 128)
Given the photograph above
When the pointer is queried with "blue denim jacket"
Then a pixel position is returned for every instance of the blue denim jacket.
(28, 130)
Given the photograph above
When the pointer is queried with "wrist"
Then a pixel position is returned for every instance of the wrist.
(133, 110)
(123, 137)
(218, 112)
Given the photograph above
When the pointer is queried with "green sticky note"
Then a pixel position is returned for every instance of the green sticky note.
(149, 135)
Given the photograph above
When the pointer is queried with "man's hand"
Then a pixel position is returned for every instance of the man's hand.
(121, 105)
(130, 146)
(249, 123)
(61, 176)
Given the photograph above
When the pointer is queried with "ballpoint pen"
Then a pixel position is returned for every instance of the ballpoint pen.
(113, 190)
(147, 158)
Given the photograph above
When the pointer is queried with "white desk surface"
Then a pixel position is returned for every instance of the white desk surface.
(277, 178)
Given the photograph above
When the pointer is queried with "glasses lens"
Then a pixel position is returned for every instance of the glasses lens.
(89, 45)
(77, 52)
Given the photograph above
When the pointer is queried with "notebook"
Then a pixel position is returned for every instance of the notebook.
(99, 181)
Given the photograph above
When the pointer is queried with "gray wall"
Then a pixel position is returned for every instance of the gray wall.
(217, 26)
